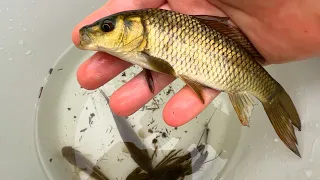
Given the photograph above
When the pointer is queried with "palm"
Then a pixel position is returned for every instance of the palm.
(269, 33)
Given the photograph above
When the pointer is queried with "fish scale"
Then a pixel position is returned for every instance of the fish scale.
(203, 51)
(190, 59)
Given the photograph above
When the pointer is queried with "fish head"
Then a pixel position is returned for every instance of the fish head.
(113, 34)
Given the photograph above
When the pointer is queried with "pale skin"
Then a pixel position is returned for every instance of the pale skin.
(281, 30)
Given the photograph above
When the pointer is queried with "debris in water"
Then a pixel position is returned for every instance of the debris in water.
(83, 130)
(69, 109)
(60, 69)
(170, 90)
(154, 141)
(164, 135)
(50, 159)
(111, 142)
(124, 74)
(151, 122)
(150, 131)
(74, 116)
(50, 70)
(40, 92)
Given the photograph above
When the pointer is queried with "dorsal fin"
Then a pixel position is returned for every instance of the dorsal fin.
(221, 25)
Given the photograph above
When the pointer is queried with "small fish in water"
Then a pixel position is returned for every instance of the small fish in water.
(203, 51)
(77, 159)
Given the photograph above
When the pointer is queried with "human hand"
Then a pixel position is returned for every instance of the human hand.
(184, 105)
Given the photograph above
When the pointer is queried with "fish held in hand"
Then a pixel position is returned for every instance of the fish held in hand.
(204, 52)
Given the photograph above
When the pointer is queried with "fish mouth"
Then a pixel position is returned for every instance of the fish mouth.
(85, 39)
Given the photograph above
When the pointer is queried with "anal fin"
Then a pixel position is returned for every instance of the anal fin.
(243, 105)
(196, 87)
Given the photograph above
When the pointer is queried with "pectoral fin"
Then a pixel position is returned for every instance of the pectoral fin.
(243, 105)
(196, 87)
(158, 64)
(149, 80)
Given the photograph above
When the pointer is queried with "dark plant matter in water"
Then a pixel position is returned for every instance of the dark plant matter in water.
(171, 167)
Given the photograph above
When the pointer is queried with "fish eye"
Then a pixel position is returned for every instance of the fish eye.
(107, 26)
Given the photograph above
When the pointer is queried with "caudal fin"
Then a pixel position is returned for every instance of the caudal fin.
(283, 115)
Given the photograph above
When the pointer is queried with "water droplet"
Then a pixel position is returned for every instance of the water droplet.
(11, 58)
(317, 125)
(10, 28)
(1, 48)
(265, 136)
(310, 160)
(21, 42)
(276, 140)
(11, 20)
(25, 30)
(0, 10)
(28, 52)
(308, 173)
(267, 146)
(36, 17)
(32, 2)
(25, 9)
(21, 24)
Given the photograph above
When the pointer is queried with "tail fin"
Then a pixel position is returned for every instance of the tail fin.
(283, 115)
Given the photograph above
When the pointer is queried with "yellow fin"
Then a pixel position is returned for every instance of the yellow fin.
(158, 64)
(243, 105)
(196, 87)
(221, 25)
(280, 111)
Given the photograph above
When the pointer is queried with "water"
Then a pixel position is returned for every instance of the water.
(62, 100)
(28, 52)
(308, 173)
(21, 42)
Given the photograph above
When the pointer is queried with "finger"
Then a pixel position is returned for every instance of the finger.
(99, 69)
(111, 7)
(134, 94)
(185, 105)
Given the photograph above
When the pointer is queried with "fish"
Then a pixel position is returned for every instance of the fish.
(204, 52)
(77, 159)
(136, 148)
